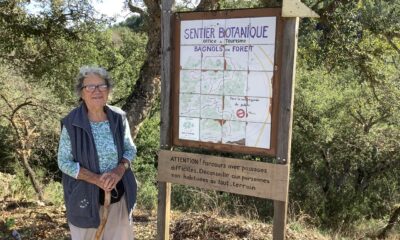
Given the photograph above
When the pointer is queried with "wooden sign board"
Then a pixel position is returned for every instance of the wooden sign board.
(245, 177)
(225, 88)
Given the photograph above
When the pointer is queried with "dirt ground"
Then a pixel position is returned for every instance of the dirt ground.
(31, 220)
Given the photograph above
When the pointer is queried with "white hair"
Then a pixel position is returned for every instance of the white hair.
(84, 71)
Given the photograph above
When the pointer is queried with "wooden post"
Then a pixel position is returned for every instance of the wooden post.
(164, 188)
(288, 70)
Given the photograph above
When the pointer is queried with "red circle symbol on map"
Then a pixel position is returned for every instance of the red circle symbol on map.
(240, 113)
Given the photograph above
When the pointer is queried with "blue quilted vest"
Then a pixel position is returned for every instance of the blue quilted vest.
(82, 198)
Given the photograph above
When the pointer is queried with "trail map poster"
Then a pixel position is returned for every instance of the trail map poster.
(226, 82)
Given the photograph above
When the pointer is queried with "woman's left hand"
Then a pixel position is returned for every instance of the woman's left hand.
(110, 179)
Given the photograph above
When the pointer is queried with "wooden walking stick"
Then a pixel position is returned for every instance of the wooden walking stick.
(100, 229)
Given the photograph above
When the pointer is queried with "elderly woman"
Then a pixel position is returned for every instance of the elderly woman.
(94, 155)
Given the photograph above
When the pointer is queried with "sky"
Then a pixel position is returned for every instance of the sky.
(112, 8)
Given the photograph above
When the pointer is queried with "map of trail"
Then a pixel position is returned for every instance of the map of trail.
(225, 85)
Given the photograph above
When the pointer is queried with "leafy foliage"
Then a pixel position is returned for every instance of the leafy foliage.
(344, 149)
(31, 116)
(52, 44)
(147, 143)
(135, 23)
(345, 123)
(343, 168)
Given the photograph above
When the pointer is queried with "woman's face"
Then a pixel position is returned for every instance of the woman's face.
(94, 92)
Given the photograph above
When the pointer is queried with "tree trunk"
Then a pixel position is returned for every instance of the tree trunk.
(23, 134)
(148, 85)
(392, 221)
(205, 5)
(31, 174)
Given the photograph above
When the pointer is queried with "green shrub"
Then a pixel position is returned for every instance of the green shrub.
(53, 192)
(144, 166)
(20, 186)
(147, 196)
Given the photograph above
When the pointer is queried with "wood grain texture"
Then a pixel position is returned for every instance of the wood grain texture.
(289, 45)
(164, 188)
(252, 178)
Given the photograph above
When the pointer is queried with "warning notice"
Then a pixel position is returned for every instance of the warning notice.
(224, 174)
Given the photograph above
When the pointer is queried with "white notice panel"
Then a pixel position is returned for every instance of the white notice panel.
(226, 81)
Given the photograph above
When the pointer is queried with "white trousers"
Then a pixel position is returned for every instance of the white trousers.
(116, 228)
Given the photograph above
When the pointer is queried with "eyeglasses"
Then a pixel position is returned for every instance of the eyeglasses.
(91, 88)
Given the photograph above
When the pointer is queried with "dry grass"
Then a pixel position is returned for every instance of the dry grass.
(210, 226)
(34, 221)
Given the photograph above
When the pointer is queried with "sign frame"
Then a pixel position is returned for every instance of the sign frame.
(239, 13)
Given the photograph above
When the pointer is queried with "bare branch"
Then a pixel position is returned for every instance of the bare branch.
(6, 101)
(356, 118)
(135, 9)
(26, 103)
(15, 128)
(394, 217)
(207, 5)
(316, 4)
(43, 106)
(392, 44)
(6, 117)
